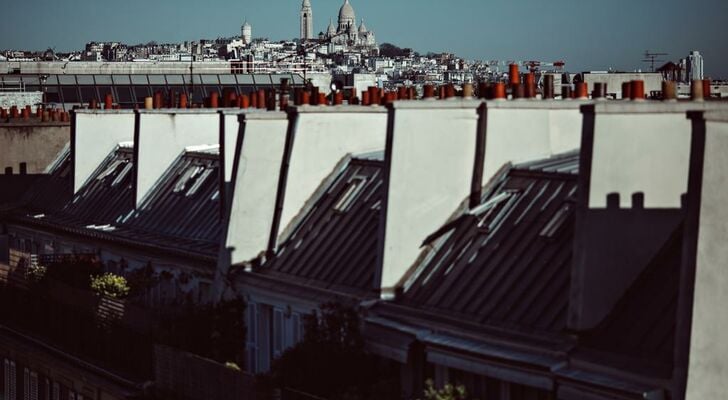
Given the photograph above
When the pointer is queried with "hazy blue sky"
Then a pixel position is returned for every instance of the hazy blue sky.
(587, 34)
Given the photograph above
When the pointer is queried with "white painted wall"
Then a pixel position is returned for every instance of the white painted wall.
(96, 134)
(642, 147)
(323, 136)
(255, 184)
(519, 131)
(708, 366)
(163, 135)
(430, 172)
(433, 156)
(229, 139)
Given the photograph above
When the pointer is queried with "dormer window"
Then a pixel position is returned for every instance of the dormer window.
(349, 195)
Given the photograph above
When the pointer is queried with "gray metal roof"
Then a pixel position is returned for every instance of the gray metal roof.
(335, 245)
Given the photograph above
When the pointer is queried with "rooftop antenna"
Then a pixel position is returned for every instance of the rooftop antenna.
(652, 58)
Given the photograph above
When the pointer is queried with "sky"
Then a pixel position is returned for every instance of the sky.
(586, 34)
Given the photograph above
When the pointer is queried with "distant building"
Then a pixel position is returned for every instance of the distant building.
(695, 65)
(306, 20)
(347, 32)
(246, 33)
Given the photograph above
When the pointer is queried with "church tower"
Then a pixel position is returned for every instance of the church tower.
(306, 20)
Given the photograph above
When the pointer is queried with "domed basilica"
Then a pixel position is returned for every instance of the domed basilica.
(345, 33)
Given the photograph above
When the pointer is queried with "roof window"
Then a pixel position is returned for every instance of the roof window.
(352, 191)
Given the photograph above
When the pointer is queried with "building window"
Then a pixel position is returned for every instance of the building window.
(10, 380)
(278, 332)
(33, 386)
(56, 391)
(251, 338)
(351, 192)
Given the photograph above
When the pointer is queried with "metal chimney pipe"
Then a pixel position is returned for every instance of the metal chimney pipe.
(582, 90)
(214, 100)
(669, 91)
(548, 87)
(183, 100)
(637, 90)
(707, 93)
(428, 92)
(530, 88)
(499, 91)
(148, 103)
(365, 100)
(600, 90)
(565, 92)
(468, 90)
(108, 101)
(626, 90)
(514, 77)
(696, 90)
(261, 98)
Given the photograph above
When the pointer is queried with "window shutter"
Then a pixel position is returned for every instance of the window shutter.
(56, 391)
(26, 384)
(33, 386)
(13, 380)
(277, 332)
(6, 380)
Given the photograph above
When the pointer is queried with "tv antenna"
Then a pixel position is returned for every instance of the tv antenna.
(652, 58)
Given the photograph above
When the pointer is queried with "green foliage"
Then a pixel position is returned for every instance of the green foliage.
(331, 362)
(449, 392)
(231, 365)
(110, 285)
(36, 273)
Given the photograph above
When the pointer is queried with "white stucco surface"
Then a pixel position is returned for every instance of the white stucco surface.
(163, 135)
(255, 184)
(323, 136)
(647, 153)
(97, 133)
(708, 366)
(430, 173)
(518, 132)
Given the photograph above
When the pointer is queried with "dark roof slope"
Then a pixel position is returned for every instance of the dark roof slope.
(335, 244)
(506, 263)
(108, 194)
(52, 191)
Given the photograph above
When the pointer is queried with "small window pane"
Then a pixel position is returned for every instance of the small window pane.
(103, 79)
(121, 79)
(70, 94)
(85, 79)
(139, 79)
(52, 80)
(175, 80)
(245, 79)
(67, 79)
(227, 79)
(262, 79)
(124, 93)
(30, 80)
(88, 93)
(210, 79)
(141, 92)
(157, 80)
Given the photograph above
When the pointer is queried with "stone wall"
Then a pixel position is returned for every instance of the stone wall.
(20, 99)
(34, 143)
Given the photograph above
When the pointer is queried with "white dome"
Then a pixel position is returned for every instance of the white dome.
(362, 27)
(346, 12)
(306, 3)
(331, 31)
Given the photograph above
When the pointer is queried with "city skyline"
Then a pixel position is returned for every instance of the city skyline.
(488, 30)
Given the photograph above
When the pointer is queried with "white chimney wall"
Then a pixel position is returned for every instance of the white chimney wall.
(255, 177)
(519, 131)
(162, 135)
(429, 164)
(95, 134)
(321, 137)
(708, 365)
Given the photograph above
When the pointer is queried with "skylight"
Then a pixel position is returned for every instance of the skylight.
(350, 194)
